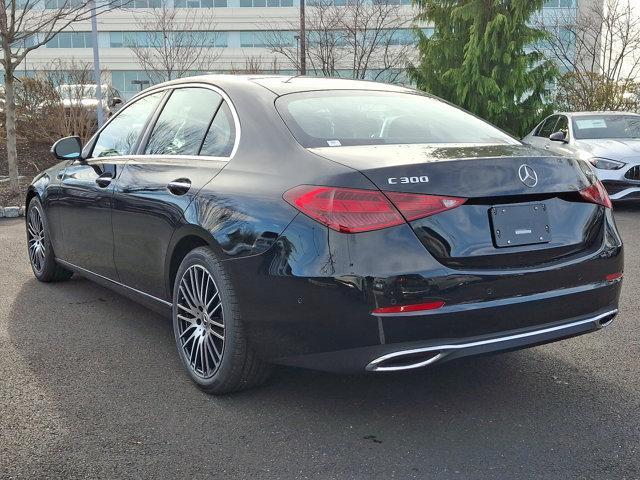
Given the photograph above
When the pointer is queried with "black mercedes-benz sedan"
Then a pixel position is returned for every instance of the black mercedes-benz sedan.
(332, 224)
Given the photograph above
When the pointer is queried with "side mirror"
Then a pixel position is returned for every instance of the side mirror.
(116, 101)
(558, 137)
(68, 148)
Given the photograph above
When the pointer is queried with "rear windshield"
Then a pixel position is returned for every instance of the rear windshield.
(606, 126)
(336, 118)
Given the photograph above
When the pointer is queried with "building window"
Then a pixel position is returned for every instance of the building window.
(559, 4)
(121, 80)
(385, 2)
(66, 4)
(253, 39)
(155, 39)
(199, 3)
(20, 73)
(28, 41)
(342, 3)
(140, 3)
(260, 39)
(266, 3)
(71, 40)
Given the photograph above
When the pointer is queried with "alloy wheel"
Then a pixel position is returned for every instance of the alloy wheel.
(36, 240)
(200, 321)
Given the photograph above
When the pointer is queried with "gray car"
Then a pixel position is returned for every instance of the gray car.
(610, 141)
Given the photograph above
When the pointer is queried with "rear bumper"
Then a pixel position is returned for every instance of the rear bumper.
(409, 359)
(622, 189)
(308, 301)
(412, 355)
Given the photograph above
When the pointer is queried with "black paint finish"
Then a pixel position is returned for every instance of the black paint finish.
(306, 292)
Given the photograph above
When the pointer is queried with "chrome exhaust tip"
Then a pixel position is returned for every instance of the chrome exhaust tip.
(606, 319)
(407, 360)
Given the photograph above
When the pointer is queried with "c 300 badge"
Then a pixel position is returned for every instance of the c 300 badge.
(396, 180)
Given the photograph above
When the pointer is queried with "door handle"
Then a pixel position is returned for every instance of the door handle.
(179, 186)
(104, 180)
(546, 146)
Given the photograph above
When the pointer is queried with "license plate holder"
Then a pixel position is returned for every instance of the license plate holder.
(522, 224)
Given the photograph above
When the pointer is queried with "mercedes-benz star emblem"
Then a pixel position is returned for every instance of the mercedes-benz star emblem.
(528, 175)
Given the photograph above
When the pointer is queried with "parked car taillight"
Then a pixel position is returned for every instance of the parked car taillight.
(414, 206)
(597, 194)
(352, 210)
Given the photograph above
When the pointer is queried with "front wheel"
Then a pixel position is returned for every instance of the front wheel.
(209, 333)
(41, 256)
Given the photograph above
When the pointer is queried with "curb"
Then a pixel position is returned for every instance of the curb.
(11, 212)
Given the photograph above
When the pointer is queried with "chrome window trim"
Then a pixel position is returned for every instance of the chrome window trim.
(205, 158)
(151, 91)
(140, 292)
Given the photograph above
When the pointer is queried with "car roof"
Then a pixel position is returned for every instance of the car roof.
(283, 84)
(580, 114)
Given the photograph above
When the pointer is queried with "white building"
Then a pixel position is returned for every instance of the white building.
(239, 27)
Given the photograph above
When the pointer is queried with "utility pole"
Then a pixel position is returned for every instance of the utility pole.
(303, 43)
(96, 64)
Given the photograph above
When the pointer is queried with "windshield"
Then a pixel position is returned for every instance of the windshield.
(606, 126)
(341, 117)
(72, 92)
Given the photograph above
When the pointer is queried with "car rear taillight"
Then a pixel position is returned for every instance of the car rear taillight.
(347, 210)
(353, 210)
(414, 206)
(597, 194)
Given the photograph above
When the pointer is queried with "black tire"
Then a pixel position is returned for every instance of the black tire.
(238, 367)
(45, 268)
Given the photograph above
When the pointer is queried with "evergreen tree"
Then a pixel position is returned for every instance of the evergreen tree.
(480, 57)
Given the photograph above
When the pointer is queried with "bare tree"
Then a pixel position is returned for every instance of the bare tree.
(72, 80)
(600, 51)
(173, 43)
(360, 37)
(24, 26)
(255, 64)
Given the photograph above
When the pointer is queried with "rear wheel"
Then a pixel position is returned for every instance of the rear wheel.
(41, 256)
(209, 333)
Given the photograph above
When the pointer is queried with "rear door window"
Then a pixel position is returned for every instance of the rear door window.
(221, 137)
(184, 121)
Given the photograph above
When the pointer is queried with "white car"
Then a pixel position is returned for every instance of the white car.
(610, 141)
(84, 96)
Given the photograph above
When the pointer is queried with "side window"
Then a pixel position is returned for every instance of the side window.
(121, 135)
(547, 127)
(562, 126)
(222, 134)
(183, 123)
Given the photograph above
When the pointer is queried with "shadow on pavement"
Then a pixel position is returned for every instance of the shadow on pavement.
(124, 406)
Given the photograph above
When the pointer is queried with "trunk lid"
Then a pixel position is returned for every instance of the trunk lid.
(523, 207)
(469, 171)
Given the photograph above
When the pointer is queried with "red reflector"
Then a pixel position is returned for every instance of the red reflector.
(597, 194)
(414, 206)
(346, 210)
(613, 276)
(417, 307)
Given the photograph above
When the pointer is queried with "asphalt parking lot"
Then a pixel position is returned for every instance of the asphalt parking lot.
(90, 387)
